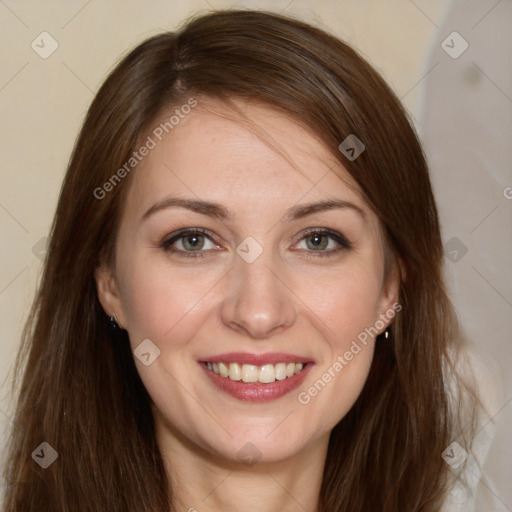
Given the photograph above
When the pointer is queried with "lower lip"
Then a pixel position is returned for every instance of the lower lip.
(256, 391)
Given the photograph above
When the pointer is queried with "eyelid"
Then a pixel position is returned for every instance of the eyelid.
(167, 242)
(335, 235)
(175, 235)
(338, 237)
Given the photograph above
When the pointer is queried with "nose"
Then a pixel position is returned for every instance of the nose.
(258, 302)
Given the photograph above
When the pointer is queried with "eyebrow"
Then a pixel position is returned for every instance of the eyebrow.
(222, 213)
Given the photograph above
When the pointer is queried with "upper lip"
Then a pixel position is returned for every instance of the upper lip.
(256, 359)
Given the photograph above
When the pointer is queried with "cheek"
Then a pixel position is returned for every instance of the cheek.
(346, 310)
(346, 304)
(157, 301)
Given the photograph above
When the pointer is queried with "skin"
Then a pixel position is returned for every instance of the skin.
(288, 300)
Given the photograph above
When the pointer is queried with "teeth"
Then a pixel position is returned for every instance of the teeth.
(235, 372)
(223, 370)
(267, 373)
(281, 371)
(249, 373)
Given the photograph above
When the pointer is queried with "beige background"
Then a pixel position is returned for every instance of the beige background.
(462, 109)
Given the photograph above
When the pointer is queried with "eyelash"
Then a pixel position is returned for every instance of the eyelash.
(183, 233)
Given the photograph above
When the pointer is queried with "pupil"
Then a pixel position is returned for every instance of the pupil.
(193, 241)
(318, 240)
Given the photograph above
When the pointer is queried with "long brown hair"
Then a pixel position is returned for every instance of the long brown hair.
(80, 391)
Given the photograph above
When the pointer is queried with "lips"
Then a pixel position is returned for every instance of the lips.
(256, 377)
(249, 373)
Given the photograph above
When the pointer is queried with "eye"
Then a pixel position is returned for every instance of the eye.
(324, 242)
(193, 242)
(189, 242)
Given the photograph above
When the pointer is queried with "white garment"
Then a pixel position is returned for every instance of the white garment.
(466, 129)
(485, 374)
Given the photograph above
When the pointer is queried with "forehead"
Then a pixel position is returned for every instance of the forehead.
(254, 157)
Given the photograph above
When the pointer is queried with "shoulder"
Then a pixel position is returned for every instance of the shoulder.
(466, 455)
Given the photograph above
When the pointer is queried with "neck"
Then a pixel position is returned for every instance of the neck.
(203, 482)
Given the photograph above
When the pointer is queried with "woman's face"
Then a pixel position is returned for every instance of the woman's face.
(265, 283)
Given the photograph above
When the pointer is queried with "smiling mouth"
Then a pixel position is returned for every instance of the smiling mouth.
(249, 373)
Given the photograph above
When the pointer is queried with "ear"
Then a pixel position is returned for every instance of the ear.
(388, 303)
(402, 273)
(108, 294)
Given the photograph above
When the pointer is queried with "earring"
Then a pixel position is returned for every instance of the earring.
(112, 323)
(386, 333)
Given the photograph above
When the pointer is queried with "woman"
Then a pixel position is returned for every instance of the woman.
(242, 306)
